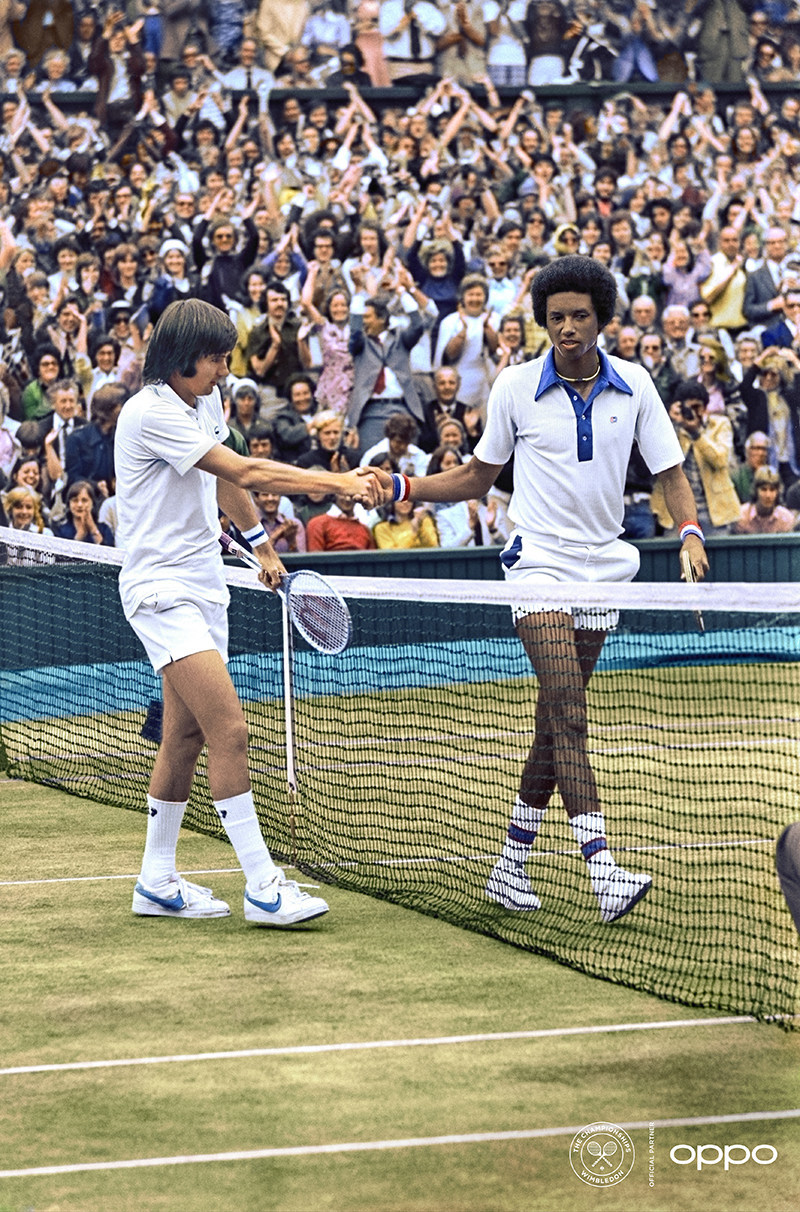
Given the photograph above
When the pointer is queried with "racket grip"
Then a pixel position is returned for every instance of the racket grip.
(231, 547)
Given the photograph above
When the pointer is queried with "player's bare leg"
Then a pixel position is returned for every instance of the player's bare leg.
(563, 658)
(201, 706)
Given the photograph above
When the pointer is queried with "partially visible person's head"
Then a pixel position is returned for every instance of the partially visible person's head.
(81, 498)
(766, 490)
(23, 507)
(64, 395)
(107, 403)
(260, 440)
(443, 459)
(446, 382)
(300, 393)
(756, 449)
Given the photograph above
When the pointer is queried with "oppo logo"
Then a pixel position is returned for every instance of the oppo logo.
(729, 1155)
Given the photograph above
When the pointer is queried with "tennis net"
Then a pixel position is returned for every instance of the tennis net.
(410, 744)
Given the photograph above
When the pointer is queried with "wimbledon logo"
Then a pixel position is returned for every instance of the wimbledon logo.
(601, 1154)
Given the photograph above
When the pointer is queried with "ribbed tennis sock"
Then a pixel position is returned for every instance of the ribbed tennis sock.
(238, 815)
(163, 827)
(590, 834)
(522, 830)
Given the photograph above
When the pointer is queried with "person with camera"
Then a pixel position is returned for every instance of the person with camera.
(707, 445)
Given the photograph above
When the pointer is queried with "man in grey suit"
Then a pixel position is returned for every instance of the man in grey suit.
(762, 292)
(383, 382)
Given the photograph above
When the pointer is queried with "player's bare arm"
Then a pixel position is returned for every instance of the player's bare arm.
(681, 505)
(237, 504)
(267, 475)
(468, 482)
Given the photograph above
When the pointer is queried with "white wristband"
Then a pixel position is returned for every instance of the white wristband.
(256, 536)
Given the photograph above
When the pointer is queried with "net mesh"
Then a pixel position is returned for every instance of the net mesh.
(409, 747)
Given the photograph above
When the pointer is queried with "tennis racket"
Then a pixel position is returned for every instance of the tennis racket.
(318, 611)
(690, 578)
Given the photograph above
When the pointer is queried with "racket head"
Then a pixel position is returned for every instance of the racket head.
(318, 611)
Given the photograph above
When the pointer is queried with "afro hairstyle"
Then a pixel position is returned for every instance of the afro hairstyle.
(582, 275)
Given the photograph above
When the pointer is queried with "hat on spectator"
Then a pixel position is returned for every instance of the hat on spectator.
(173, 246)
(561, 231)
(120, 308)
(244, 387)
(527, 188)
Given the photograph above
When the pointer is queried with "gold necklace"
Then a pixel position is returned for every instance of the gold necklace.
(583, 378)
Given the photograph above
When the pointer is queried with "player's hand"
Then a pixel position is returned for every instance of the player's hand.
(385, 486)
(360, 485)
(272, 568)
(697, 554)
(381, 486)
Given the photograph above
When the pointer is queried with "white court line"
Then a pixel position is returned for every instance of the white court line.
(413, 1142)
(99, 879)
(421, 860)
(370, 1045)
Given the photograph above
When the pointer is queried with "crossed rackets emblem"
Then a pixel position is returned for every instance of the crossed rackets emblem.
(602, 1154)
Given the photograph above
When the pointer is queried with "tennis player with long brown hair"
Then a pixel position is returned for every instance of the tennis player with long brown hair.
(174, 475)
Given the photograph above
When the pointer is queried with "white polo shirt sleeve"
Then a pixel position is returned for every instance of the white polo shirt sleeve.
(173, 436)
(496, 444)
(655, 433)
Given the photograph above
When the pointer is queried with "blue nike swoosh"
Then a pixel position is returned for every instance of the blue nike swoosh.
(177, 902)
(273, 908)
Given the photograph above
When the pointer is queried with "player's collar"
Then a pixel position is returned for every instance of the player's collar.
(608, 377)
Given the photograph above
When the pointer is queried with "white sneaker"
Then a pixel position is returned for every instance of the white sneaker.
(184, 900)
(511, 888)
(617, 895)
(281, 902)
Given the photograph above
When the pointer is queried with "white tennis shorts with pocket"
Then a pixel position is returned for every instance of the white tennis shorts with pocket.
(540, 559)
(172, 627)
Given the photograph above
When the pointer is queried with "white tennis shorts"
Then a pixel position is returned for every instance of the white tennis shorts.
(171, 628)
(546, 559)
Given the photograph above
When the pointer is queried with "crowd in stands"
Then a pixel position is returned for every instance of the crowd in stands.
(376, 257)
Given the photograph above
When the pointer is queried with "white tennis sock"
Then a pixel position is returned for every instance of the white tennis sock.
(238, 815)
(163, 826)
(590, 834)
(522, 830)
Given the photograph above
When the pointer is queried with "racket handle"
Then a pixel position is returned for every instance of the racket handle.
(231, 547)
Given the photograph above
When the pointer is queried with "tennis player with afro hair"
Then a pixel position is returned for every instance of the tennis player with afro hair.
(569, 418)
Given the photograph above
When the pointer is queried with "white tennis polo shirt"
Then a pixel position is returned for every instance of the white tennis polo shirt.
(168, 520)
(570, 454)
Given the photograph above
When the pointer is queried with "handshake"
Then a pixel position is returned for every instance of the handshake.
(372, 486)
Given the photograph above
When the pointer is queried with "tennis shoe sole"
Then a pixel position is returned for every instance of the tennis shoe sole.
(617, 895)
(282, 902)
(188, 900)
(512, 889)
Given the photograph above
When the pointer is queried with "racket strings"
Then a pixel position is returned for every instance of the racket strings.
(319, 613)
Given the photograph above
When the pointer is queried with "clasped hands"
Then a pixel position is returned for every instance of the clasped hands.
(372, 486)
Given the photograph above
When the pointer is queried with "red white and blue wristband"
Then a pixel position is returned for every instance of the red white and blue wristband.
(401, 487)
(256, 536)
(692, 528)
